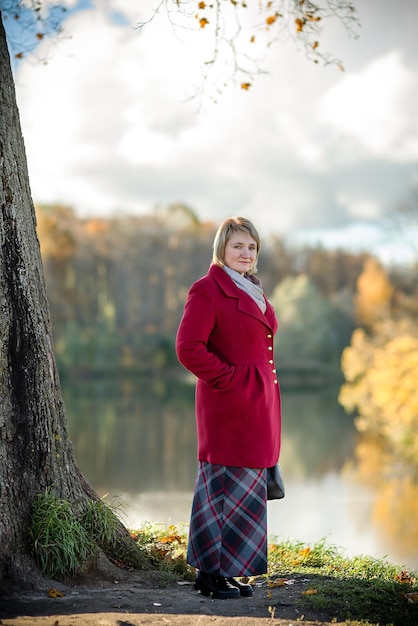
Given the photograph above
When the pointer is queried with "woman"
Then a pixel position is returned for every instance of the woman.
(225, 339)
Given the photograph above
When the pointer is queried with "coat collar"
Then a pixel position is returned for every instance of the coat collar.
(245, 303)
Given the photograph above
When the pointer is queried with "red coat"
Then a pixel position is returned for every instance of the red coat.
(227, 342)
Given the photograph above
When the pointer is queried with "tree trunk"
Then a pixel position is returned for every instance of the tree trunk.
(35, 450)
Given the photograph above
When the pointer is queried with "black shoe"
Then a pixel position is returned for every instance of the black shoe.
(215, 586)
(244, 589)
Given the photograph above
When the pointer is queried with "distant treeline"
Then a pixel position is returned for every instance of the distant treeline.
(117, 287)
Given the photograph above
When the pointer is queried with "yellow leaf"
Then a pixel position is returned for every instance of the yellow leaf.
(405, 578)
(39, 36)
(315, 45)
(300, 23)
(272, 18)
(171, 539)
(252, 39)
(310, 592)
(203, 21)
(313, 18)
(245, 86)
(202, 5)
(276, 583)
(305, 551)
(54, 593)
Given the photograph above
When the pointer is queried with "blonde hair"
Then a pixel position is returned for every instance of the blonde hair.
(226, 229)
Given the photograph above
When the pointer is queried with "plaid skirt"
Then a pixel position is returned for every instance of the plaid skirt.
(228, 526)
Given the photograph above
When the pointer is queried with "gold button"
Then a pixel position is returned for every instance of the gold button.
(269, 336)
(269, 348)
(275, 382)
(274, 371)
(270, 362)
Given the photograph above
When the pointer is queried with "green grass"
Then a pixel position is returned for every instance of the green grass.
(64, 543)
(353, 591)
(368, 590)
(101, 521)
(61, 545)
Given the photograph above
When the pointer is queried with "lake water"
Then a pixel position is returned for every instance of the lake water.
(137, 441)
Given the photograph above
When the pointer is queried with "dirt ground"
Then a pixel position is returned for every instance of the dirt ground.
(137, 598)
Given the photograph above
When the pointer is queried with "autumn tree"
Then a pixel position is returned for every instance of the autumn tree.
(381, 387)
(374, 294)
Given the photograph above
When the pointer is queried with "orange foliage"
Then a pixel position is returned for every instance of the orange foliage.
(374, 293)
(96, 226)
(313, 18)
(55, 232)
(54, 593)
(300, 23)
(272, 18)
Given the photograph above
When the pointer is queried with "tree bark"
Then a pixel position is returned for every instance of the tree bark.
(35, 449)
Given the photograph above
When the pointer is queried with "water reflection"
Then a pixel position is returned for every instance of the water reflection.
(137, 439)
(133, 437)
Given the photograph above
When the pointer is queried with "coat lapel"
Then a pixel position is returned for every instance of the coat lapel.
(245, 303)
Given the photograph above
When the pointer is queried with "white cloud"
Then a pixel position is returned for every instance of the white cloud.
(107, 127)
(361, 208)
(373, 108)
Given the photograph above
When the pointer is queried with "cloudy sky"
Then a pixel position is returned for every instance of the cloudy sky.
(308, 152)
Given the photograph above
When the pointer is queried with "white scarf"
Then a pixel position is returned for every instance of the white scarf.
(250, 284)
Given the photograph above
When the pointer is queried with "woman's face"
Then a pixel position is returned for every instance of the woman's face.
(241, 252)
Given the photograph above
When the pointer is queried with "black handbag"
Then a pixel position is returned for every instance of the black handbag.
(275, 483)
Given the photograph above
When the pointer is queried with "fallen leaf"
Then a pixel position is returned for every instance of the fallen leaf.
(276, 583)
(54, 593)
(411, 597)
(310, 592)
(171, 539)
(305, 551)
(405, 578)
